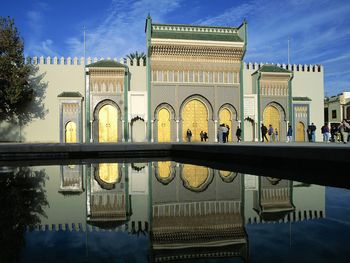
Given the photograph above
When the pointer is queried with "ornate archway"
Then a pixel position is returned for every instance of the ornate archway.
(194, 117)
(164, 125)
(300, 132)
(108, 124)
(272, 116)
(71, 132)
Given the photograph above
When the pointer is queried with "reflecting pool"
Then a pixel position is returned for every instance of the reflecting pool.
(167, 212)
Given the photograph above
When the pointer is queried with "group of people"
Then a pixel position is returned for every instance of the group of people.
(273, 133)
(337, 133)
(222, 134)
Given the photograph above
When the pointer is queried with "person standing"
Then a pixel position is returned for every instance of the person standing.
(263, 132)
(228, 132)
(289, 133)
(224, 132)
(276, 135)
(313, 132)
(205, 136)
(344, 129)
(270, 132)
(325, 132)
(188, 135)
(202, 135)
(238, 134)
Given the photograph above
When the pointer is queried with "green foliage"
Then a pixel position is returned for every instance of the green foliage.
(138, 56)
(21, 89)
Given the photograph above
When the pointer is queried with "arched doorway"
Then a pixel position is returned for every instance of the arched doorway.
(108, 124)
(71, 132)
(225, 116)
(300, 132)
(195, 177)
(195, 118)
(249, 135)
(272, 116)
(163, 125)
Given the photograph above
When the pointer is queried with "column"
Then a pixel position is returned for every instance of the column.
(216, 130)
(123, 133)
(152, 124)
(177, 130)
(91, 138)
(130, 133)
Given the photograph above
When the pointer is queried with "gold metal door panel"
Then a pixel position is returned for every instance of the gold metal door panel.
(272, 116)
(108, 124)
(71, 132)
(195, 118)
(108, 172)
(195, 176)
(300, 132)
(163, 125)
(164, 169)
(225, 117)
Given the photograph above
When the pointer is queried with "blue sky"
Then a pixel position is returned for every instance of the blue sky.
(319, 30)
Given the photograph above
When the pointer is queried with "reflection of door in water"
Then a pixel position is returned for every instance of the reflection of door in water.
(195, 176)
(225, 117)
(300, 132)
(164, 169)
(272, 116)
(195, 118)
(108, 124)
(71, 132)
(163, 125)
(108, 172)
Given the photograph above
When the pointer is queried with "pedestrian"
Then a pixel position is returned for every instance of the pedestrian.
(228, 132)
(344, 129)
(205, 136)
(313, 130)
(270, 132)
(276, 135)
(333, 133)
(238, 134)
(264, 132)
(188, 135)
(202, 135)
(289, 133)
(325, 132)
(224, 132)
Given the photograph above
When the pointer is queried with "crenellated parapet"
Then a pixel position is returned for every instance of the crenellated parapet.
(291, 67)
(75, 61)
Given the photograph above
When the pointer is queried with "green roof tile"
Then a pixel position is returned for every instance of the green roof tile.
(70, 94)
(106, 64)
(273, 68)
(301, 99)
(197, 36)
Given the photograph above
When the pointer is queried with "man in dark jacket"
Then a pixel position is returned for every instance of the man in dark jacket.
(264, 132)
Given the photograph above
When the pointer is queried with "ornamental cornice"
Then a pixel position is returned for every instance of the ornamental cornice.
(192, 42)
(204, 65)
(189, 28)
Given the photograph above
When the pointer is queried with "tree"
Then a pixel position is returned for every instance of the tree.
(138, 57)
(21, 89)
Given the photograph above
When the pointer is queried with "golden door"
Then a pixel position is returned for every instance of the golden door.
(225, 117)
(195, 176)
(108, 124)
(163, 125)
(272, 116)
(108, 172)
(71, 132)
(164, 169)
(195, 118)
(300, 132)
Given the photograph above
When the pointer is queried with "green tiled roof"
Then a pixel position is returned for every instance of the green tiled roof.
(70, 94)
(106, 64)
(273, 68)
(301, 99)
(197, 36)
(195, 32)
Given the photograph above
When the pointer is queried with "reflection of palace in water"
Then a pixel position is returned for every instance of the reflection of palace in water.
(187, 211)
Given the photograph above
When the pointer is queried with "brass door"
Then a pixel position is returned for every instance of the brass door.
(108, 124)
(164, 169)
(300, 132)
(195, 176)
(195, 118)
(108, 172)
(163, 125)
(71, 132)
(272, 116)
(225, 116)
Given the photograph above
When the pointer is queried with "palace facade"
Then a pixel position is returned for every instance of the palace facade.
(194, 77)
